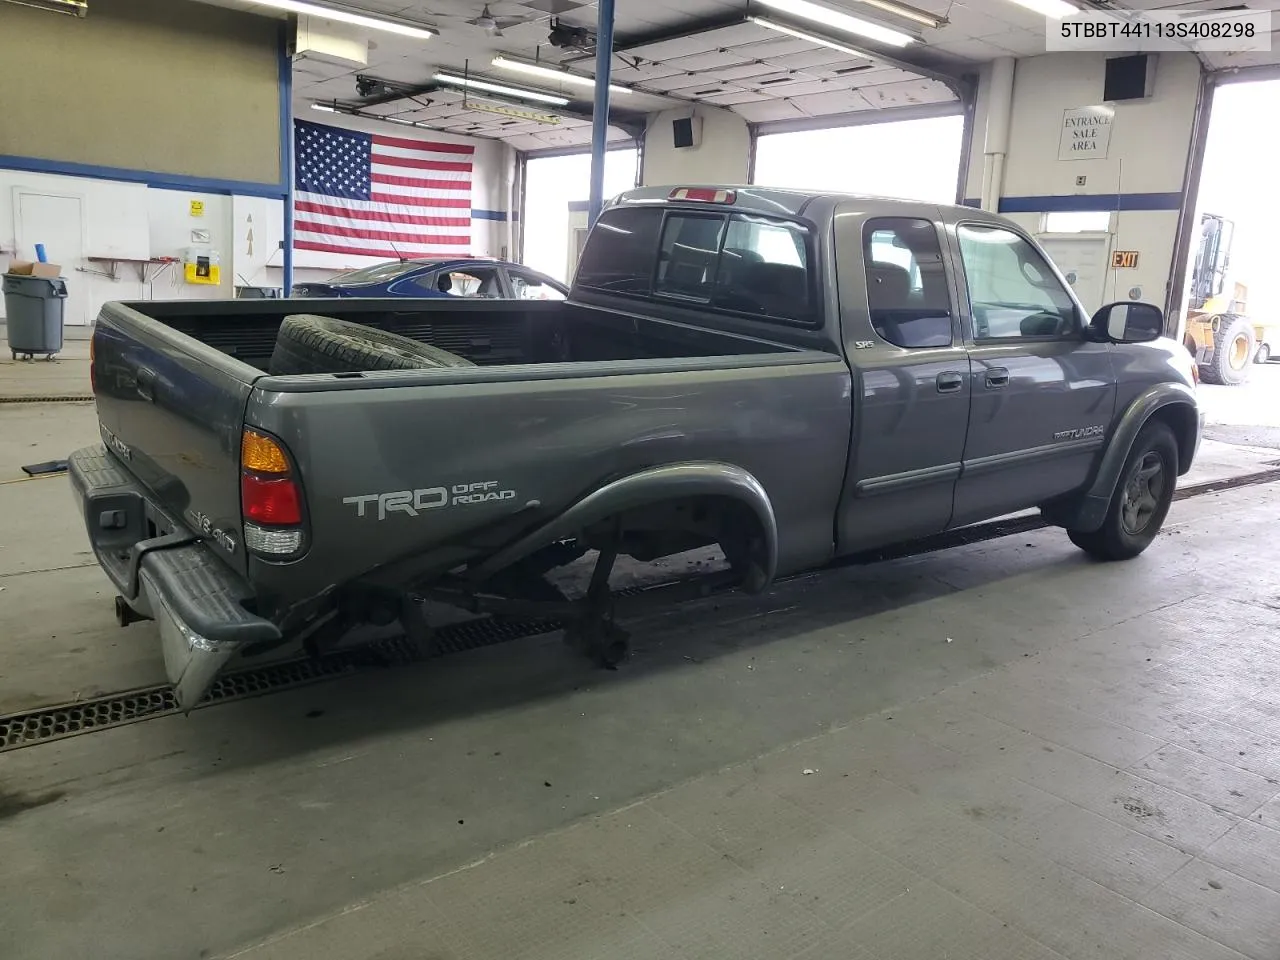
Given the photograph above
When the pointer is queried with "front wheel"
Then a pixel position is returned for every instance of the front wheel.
(1141, 499)
(1234, 345)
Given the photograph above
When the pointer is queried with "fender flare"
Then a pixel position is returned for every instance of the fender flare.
(676, 481)
(1096, 501)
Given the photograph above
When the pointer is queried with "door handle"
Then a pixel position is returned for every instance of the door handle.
(997, 377)
(949, 382)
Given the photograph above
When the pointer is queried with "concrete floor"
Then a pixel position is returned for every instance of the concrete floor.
(1249, 413)
(998, 751)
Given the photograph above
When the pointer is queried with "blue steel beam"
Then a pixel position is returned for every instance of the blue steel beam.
(600, 110)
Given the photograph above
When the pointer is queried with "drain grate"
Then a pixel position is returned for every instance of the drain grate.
(64, 398)
(113, 710)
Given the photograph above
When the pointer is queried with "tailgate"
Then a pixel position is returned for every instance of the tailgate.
(172, 410)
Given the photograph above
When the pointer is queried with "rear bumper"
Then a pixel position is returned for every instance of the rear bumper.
(165, 573)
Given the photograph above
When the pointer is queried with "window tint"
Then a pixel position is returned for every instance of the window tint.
(764, 269)
(529, 286)
(906, 282)
(687, 256)
(620, 252)
(1012, 290)
(479, 282)
(747, 264)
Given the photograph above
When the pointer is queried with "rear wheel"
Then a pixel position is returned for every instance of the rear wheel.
(1141, 499)
(1234, 346)
(1263, 354)
(312, 344)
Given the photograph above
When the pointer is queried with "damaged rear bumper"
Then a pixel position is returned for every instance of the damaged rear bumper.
(198, 603)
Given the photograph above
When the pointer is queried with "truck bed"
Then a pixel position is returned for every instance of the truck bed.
(486, 332)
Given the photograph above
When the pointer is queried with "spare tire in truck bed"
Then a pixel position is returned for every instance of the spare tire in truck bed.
(308, 343)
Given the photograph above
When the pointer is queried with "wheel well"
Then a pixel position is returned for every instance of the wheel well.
(673, 526)
(1183, 421)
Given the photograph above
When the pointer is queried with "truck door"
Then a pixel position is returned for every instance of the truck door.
(904, 341)
(1043, 395)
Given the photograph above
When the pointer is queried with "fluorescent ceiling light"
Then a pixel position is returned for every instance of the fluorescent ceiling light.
(346, 16)
(843, 21)
(1055, 9)
(469, 84)
(323, 108)
(811, 37)
(551, 73)
(907, 13)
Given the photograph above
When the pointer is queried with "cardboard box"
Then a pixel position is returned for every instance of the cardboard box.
(24, 268)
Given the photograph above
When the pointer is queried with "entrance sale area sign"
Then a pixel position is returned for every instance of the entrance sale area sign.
(1086, 133)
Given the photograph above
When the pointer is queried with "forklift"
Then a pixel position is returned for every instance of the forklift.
(1219, 335)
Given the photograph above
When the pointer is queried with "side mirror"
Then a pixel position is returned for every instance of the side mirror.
(1129, 322)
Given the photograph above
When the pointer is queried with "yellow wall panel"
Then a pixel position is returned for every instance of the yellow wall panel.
(165, 85)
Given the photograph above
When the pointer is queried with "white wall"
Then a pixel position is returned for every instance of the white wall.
(130, 220)
(1150, 141)
(720, 157)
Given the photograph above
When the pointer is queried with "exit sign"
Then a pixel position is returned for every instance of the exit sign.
(1124, 259)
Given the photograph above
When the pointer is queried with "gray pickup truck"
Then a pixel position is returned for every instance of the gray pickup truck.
(795, 377)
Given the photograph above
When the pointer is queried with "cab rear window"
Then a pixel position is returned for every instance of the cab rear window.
(738, 263)
(621, 250)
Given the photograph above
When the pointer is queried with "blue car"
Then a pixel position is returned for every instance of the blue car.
(471, 277)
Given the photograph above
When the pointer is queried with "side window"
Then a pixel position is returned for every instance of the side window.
(1012, 291)
(481, 282)
(528, 286)
(687, 256)
(764, 269)
(907, 293)
(620, 251)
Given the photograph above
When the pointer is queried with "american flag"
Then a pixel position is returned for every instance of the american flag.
(386, 197)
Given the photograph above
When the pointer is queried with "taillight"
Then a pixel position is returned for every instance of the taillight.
(93, 382)
(703, 195)
(270, 500)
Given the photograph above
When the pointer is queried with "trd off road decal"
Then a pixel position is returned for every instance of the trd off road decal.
(414, 502)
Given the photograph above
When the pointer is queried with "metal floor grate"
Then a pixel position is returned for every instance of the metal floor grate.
(113, 710)
(51, 399)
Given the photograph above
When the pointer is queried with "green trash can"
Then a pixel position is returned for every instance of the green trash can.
(34, 310)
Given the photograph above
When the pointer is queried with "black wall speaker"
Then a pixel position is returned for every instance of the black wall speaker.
(685, 132)
(1129, 78)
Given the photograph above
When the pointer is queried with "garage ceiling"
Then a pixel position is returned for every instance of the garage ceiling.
(673, 52)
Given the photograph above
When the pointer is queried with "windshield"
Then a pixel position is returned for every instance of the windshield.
(379, 273)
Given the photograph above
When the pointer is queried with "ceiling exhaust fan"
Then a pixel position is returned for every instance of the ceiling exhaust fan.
(493, 26)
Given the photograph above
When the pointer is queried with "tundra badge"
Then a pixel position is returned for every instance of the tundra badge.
(1080, 433)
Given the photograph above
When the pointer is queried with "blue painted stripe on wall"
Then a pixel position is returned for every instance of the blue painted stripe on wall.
(1092, 201)
(488, 214)
(161, 181)
(579, 206)
(1086, 202)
